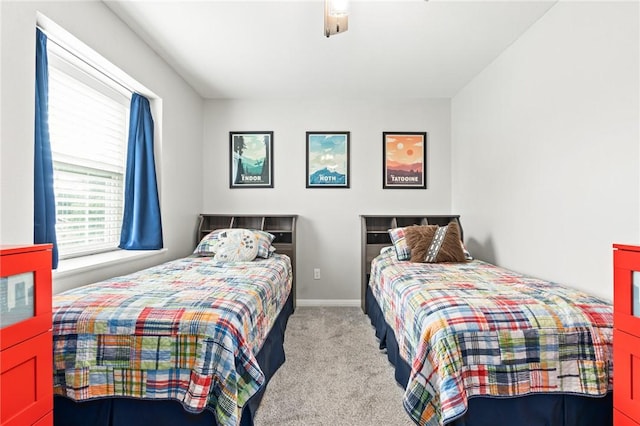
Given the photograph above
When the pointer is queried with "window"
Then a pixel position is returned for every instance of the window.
(88, 126)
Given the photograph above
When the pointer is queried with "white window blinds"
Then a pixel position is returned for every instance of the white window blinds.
(88, 125)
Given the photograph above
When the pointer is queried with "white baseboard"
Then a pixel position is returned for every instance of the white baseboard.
(328, 302)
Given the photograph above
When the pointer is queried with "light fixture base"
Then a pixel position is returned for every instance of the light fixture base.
(335, 23)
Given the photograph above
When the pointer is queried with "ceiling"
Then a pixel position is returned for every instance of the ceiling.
(277, 49)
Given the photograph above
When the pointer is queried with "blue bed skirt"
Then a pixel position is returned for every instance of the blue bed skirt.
(139, 412)
(529, 410)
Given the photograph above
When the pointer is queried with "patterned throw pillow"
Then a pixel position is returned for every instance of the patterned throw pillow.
(264, 240)
(236, 245)
(400, 243)
(208, 244)
(432, 243)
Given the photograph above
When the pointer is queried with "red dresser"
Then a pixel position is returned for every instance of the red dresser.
(626, 335)
(26, 375)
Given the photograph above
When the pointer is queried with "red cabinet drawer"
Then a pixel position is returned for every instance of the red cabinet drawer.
(35, 260)
(620, 419)
(626, 380)
(626, 262)
(47, 420)
(26, 381)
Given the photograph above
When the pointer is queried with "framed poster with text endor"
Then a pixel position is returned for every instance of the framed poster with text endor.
(251, 159)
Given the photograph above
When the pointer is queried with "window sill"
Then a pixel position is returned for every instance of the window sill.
(69, 267)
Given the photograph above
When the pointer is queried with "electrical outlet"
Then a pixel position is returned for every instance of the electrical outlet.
(316, 273)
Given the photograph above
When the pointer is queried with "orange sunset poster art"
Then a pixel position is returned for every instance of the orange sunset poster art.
(404, 160)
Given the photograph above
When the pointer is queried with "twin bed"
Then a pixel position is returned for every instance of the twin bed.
(474, 344)
(193, 341)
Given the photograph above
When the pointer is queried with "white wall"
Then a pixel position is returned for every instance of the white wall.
(543, 168)
(180, 167)
(546, 147)
(329, 223)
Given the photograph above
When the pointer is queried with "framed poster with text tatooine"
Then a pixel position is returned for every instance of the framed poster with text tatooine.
(251, 159)
(404, 160)
(328, 159)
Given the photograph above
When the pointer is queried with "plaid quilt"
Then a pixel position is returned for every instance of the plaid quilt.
(186, 330)
(474, 329)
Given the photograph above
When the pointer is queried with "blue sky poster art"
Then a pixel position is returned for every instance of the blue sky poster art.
(328, 159)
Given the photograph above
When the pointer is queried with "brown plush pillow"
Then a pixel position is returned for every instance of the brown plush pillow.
(418, 238)
(445, 248)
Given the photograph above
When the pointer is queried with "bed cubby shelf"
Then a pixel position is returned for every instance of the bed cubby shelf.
(282, 227)
(375, 236)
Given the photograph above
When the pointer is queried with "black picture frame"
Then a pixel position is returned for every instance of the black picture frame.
(251, 159)
(328, 160)
(404, 160)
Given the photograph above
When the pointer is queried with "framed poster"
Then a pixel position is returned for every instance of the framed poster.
(328, 159)
(404, 160)
(251, 159)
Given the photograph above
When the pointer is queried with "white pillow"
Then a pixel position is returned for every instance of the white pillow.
(237, 245)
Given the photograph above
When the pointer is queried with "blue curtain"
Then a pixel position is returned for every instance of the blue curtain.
(141, 224)
(44, 204)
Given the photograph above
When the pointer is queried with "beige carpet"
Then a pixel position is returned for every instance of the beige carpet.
(334, 374)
